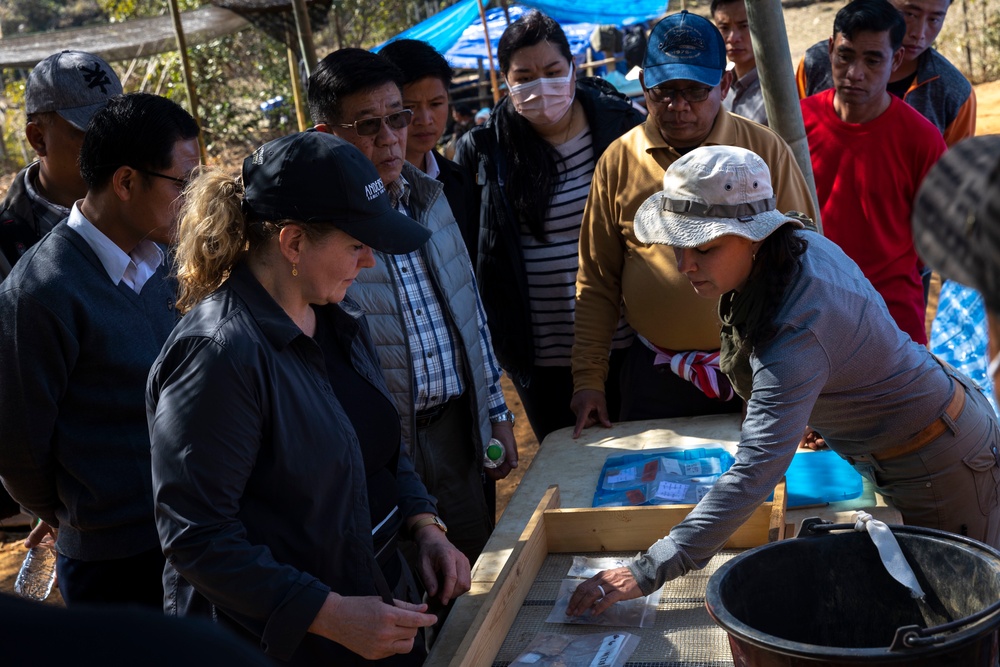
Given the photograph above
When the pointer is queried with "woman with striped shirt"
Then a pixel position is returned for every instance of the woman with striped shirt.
(533, 161)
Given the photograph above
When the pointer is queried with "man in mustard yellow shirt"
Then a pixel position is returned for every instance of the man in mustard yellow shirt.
(672, 367)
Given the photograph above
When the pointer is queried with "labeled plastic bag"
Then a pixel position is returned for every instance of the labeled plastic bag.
(683, 491)
(585, 567)
(630, 475)
(637, 613)
(674, 467)
(598, 650)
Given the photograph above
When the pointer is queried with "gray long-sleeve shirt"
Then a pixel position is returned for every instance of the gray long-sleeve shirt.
(838, 364)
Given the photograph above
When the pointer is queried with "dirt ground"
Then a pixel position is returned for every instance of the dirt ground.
(805, 26)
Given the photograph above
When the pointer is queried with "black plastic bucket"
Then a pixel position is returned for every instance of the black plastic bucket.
(827, 599)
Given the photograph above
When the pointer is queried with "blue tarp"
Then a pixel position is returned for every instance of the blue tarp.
(605, 12)
(457, 32)
(471, 46)
(959, 334)
(444, 28)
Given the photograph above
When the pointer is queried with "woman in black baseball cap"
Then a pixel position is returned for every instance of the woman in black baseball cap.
(279, 478)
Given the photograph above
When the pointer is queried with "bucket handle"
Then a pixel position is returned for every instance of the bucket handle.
(907, 636)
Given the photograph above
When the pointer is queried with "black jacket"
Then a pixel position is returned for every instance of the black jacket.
(259, 482)
(499, 261)
(18, 228)
(461, 193)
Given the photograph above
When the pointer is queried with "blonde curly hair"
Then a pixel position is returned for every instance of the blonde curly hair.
(213, 235)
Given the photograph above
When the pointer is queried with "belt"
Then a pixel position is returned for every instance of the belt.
(931, 431)
(425, 418)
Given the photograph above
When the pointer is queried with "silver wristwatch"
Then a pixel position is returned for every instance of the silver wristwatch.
(506, 416)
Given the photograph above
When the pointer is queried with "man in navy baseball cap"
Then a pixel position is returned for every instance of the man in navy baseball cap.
(61, 95)
(684, 46)
(684, 80)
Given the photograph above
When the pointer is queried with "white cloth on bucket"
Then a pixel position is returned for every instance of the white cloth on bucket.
(889, 551)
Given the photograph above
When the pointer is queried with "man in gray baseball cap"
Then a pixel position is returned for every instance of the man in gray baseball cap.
(61, 95)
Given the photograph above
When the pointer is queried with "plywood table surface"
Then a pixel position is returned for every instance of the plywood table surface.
(575, 466)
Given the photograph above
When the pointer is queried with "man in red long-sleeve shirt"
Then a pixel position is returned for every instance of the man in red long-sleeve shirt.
(870, 152)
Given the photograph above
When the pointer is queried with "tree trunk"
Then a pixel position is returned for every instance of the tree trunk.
(777, 81)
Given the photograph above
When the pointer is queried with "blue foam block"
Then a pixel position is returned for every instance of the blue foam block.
(821, 477)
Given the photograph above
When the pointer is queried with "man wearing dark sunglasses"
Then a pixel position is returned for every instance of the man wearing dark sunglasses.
(684, 79)
(423, 307)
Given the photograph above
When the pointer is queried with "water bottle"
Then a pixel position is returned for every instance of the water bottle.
(494, 455)
(37, 574)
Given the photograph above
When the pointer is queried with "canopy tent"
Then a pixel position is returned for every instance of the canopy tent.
(457, 32)
(122, 41)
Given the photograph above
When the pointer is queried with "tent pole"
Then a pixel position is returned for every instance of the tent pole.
(188, 83)
(506, 12)
(304, 29)
(489, 52)
(777, 81)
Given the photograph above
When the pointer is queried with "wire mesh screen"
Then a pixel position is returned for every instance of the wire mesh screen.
(276, 18)
(683, 634)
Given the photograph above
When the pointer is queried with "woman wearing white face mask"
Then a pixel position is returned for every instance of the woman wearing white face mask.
(533, 161)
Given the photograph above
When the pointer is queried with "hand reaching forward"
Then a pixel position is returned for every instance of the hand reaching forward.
(603, 590)
(812, 440)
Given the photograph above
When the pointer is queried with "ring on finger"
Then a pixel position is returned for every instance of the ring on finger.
(601, 588)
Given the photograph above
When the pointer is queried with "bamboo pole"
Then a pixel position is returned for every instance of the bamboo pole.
(188, 82)
(304, 30)
(489, 52)
(777, 81)
(296, 81)
(293, 69)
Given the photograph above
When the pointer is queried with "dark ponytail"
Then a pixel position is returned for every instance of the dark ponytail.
(776, 266)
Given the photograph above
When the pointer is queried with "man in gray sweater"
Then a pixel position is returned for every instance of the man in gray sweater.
(82, 317)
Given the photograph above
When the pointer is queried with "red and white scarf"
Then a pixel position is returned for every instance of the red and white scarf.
(699, 368)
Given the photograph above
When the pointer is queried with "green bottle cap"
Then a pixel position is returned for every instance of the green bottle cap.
(494, 452)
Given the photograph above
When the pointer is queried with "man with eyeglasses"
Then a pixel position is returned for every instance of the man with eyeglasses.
(423, 307)
(83, 316)
(672, 367)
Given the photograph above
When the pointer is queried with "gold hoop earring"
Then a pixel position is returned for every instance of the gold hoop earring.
(295, 270)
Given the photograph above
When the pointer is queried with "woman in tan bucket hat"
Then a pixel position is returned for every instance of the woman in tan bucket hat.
(806, 340)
